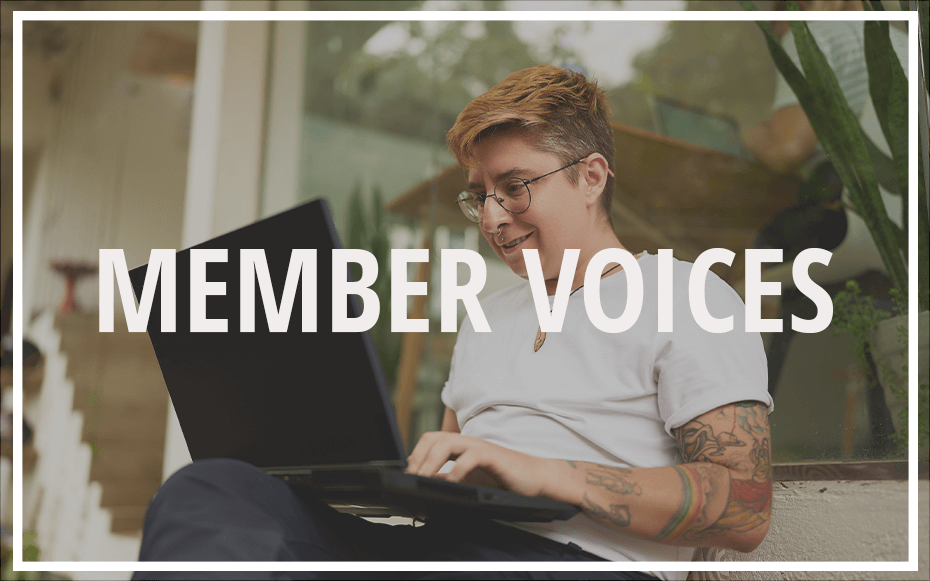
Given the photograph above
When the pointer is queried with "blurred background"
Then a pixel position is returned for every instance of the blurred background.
(163, 134)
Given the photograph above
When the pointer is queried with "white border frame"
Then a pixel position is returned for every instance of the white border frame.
(20, 16)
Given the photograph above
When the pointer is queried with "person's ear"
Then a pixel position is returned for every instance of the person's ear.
(594, 173)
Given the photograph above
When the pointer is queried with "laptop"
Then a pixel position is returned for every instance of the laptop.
(697, 126)
(309, 408)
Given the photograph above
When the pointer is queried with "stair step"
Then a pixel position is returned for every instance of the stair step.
(138, 423)
(127, 519)
(117, 458)
(139, 393)
(109, 362)
(119, 492)
(119, 389)
(129, 369)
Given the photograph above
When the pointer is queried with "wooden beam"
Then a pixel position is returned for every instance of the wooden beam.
(622, 214)
(411, 352)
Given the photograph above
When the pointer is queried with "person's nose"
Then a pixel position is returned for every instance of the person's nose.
(495, 216)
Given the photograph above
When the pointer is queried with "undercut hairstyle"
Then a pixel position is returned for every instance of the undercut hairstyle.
(557, 110)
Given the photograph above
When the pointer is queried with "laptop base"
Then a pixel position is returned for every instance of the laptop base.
(381, 492)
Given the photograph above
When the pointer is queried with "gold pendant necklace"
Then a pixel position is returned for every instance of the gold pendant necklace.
(540, 339)
(541, 335)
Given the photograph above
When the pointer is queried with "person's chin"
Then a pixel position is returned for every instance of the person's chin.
(516, 263)
(519, 270)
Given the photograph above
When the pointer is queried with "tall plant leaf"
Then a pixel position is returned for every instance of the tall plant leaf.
(885, 171)
(358, 221)
(923, 232)
(379, 246)
(367, 230)
(838, 131)
(888, 88)
(841, 137)
(357, 226)
(923, 17)
(923, 219)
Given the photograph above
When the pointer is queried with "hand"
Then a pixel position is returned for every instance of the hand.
(478, 461)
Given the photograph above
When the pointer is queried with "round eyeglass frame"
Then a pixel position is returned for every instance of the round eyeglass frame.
(483, 197)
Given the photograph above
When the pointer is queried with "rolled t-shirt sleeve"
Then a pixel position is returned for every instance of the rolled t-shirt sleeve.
(698, 371)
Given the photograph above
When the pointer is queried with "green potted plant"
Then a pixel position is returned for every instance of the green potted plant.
(368, 230)
(856, 160)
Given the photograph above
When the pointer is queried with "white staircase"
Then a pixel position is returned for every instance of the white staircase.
(99, 432)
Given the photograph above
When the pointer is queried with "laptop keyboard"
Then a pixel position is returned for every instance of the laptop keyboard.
(393, 492)
(336, 478)
(363, 479)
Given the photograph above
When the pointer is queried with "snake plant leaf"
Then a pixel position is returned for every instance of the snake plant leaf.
(357, 224)
(839, 134)
(901, 235)
(885, 171)
(923, 17)
(377, 207)
(358, 220)
(923, 231)
(888, 88)
(923, 219)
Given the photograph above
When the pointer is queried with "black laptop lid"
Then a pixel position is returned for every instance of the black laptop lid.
(274, 399)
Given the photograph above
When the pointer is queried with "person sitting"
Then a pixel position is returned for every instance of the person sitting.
(661, 438)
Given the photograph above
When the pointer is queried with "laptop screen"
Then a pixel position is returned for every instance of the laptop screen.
(274, 399)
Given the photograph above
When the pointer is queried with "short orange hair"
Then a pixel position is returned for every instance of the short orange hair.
(557, 110)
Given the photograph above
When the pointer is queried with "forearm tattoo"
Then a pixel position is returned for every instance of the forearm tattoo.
(619, 514)
(615, 480)
(745, 450)
(737, 438)
(692, 504)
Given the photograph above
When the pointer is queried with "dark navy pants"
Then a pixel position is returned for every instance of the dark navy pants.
(228, 510)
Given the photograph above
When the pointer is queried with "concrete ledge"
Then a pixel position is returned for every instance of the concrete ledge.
(841, 521)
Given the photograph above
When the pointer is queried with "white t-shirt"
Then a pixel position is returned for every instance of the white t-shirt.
(592, 396)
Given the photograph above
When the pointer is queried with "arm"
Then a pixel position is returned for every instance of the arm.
(720, 496)
(450, 423)
(784, 142)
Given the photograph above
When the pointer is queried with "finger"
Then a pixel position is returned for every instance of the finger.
(441, 452)
(464, 464)
(420, 451)
(446, 447)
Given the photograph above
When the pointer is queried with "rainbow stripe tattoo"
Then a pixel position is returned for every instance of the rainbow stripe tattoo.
(690, 505)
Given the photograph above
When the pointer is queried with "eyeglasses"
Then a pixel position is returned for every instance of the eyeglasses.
(513, 194)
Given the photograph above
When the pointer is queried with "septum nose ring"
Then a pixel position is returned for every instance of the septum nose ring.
(499, 233)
